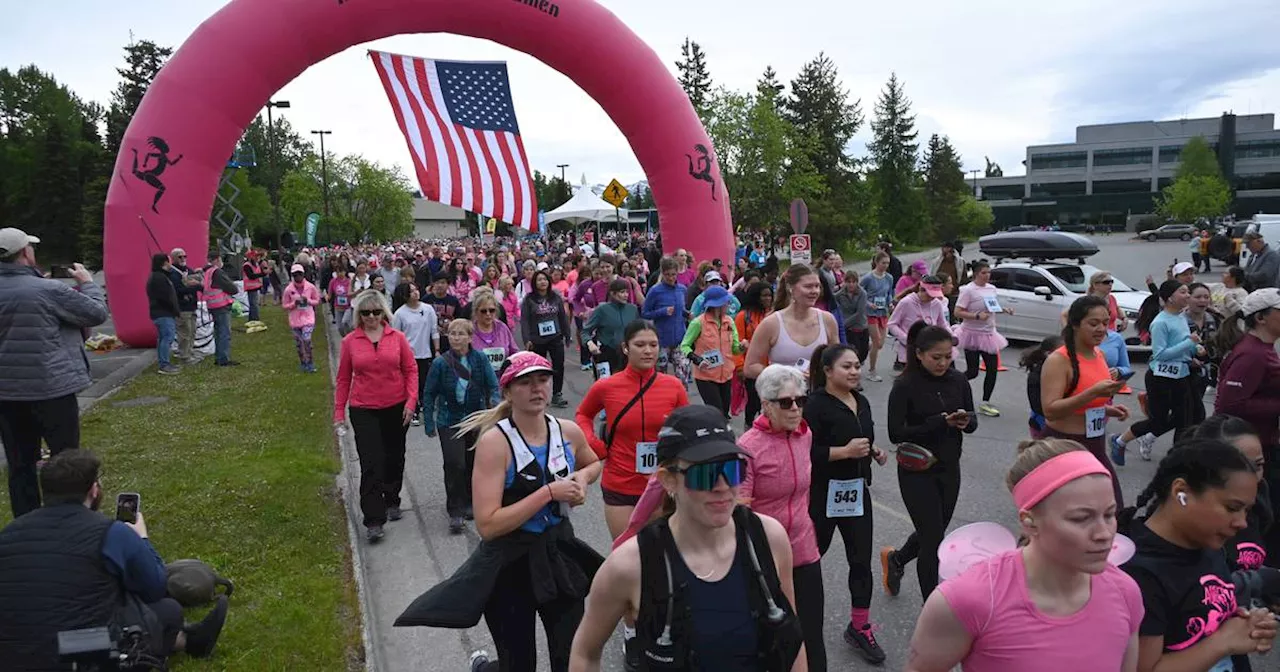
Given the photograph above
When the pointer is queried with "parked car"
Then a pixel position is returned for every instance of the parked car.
(1040, 292)
(1171, 232)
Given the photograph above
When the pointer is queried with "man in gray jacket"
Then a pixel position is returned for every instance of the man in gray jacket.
(1264, 263)
(42, 361)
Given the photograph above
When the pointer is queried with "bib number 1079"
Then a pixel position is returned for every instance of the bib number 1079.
(646, 457)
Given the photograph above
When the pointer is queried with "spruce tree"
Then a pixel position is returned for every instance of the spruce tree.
(894, 155)
(695, 79)
(944, 187)
(143, 61)
(819, 109)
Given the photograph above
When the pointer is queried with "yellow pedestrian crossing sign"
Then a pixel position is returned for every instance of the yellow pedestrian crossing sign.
(616, 194)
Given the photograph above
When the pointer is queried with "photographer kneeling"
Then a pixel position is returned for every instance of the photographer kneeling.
(67, 567)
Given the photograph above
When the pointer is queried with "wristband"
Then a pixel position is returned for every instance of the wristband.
(550, 495)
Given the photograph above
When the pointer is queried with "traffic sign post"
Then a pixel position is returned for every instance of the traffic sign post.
(615, 194)
(801, 249)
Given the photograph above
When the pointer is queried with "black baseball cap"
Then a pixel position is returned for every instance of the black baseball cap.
(697, 434)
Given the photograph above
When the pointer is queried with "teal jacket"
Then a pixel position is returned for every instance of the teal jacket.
(607, 322)
(440, 404)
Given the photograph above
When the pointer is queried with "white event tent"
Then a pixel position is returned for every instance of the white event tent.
(586, 207)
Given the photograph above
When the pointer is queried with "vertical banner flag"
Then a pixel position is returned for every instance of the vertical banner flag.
(542, 222)
(313, 223)
(459, 121)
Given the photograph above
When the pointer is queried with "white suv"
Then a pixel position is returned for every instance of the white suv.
(1040, 292)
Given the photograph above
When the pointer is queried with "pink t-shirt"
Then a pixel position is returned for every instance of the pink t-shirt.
(1011, 635)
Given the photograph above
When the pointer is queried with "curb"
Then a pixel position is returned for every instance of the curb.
(139, 361)
(346, 483)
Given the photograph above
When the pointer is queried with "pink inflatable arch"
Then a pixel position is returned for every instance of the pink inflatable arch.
(201, 102)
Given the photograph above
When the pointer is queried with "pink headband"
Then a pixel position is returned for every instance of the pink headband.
(1057, 472)
(521, 363)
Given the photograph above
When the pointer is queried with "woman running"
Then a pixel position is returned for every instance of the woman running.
(378, 377)
(604, 329)
(926, 304)
(1170, 394)
(544, 321)
(710, 341)
(757, 304)
(461, 381)
(1077, 387)
(878, 286)
(977, 307)
(1198, 499)
(1202, 322)
(840, 491)
(796, 328)
(777, 485)
(733, 610)
(1248, 549)
(1054, 605)
(930, 406)
(530, 468)
(635, 401)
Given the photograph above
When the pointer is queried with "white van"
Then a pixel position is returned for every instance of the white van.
(1268, 226)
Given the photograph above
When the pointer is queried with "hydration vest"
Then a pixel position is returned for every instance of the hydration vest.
(214, 298)
(664, 618)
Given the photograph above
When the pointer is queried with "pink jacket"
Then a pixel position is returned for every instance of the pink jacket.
(300, 317)
(909, 311)
(777, 483)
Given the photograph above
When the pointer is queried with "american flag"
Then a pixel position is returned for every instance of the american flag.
(461, 127)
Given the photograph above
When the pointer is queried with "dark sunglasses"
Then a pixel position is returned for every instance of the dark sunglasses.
(703, 476)
(486, 311)
(785, 403)
(370, 313)
(1108, 281)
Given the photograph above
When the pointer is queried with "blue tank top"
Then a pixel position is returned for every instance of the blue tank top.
(544, 518)
(724, 630)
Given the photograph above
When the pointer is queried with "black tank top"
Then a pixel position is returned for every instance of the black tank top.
(723, 625)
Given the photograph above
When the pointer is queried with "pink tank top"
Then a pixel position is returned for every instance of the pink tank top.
(787, 351)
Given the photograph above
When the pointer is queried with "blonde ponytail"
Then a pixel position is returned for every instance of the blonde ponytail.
(482, 421)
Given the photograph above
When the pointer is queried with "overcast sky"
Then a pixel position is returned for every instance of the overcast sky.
(993, 75)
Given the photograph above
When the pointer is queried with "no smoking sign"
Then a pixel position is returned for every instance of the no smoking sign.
(801, 249)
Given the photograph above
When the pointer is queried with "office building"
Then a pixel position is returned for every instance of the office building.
(1113, 171)
(432, 220)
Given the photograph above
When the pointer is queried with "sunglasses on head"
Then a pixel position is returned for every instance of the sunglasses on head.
(371, 313)
(703, 476)
(785, 403)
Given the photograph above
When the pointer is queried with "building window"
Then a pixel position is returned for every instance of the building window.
(1170, 153)
(1257, 149)
(1003, 192)
(1127, 156)
(1055, 189)
(1053, 160)
(1258, 181)
(1121, 186)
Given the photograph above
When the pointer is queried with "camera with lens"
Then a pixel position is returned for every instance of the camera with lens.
(1257, 587)
(96, 650)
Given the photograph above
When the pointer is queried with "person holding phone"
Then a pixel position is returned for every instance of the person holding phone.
(930, 406)
(1077, 387)
(300, 298)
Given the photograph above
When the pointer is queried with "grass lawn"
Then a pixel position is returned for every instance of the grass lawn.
(237, 468)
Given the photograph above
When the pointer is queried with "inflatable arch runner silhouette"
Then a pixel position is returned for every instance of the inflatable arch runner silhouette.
(219, 80)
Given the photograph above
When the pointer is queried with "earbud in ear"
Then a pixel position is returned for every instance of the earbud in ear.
(1182, 498)
(1027, 521)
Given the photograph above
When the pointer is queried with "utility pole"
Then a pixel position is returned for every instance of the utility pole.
(975, 172)
(324, 183)
(562, 166)
(275, 177)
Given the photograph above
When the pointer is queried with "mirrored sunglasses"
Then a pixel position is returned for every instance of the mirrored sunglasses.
(703, 476)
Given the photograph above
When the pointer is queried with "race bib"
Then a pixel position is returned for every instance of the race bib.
(1095, 422)
(341, 300)
(547, 328)
(844, 498)
(1170, 369)
(496, 356)
(603, 370)
(880, 302)
(992, 303)
(300, 303)
(646, 457)
(713, 358)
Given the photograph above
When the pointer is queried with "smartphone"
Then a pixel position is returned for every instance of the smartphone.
(127, 507)
(59, 271)
(1126, 376)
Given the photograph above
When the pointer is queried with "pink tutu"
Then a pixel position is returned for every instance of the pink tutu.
(983, 341)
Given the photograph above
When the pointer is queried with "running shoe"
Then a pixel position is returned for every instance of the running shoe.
(170, 370)
(394, 513)
(455, 524)
(989, 410)
(1145, 443)
(1117, 451)
(559, 402)
(417, 420)
(374, 533)
(479, 660)
(864, 640)
(874, 377)
(892, 571)
(586, 367)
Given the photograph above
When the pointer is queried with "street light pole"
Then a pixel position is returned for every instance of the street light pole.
(275, 177)
(975, 172)
(324, 182)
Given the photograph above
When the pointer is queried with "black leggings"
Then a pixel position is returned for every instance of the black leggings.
(459, 463)
(169, 613)
(930, 497)
(992, 360)
(554, 351)
(380, 435)
(509, 616)
(856, 533)
(1169, 403)
(715, 394)
(424, 367)
(810, 602)
(753, 401)
(860, 339)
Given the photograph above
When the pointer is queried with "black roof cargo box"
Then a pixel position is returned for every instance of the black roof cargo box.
(1037, 245)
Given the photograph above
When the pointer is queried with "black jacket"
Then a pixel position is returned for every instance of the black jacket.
(162, 298)
(916, 404)
(833, 425)
(188, 297)
(52, 578)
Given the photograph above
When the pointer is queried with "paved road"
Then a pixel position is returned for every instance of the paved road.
(418, 551)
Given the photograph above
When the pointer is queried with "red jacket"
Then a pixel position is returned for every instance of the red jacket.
(641, 423)
(373, 378)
